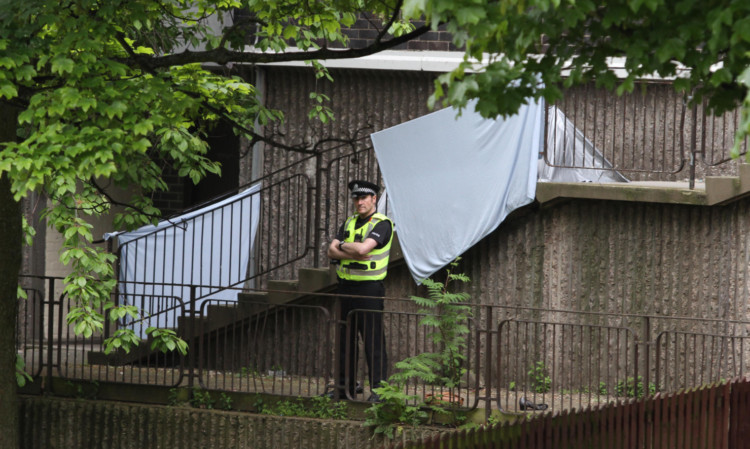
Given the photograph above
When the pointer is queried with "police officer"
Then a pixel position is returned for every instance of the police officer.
(362, 246)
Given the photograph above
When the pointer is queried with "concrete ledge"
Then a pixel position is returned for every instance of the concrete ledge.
(715, 191)
(647, 192)
(47, 422)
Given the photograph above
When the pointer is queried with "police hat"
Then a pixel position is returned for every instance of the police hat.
(361, 188)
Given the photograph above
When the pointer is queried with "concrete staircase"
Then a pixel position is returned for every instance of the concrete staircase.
(222, 316)
(219, 317)
(714, 191)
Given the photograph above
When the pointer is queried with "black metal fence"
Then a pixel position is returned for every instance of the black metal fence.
(652, 130)
(514, 357)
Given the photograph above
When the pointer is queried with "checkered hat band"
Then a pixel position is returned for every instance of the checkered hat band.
(359, 191)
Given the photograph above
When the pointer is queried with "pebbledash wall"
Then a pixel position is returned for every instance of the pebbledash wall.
(589, 255)
(618, 257)
(54, 423)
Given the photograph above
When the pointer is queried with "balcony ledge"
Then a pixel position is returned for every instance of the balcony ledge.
(639, 191)
(714, 191)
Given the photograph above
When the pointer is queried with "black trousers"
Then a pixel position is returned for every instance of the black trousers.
(366, 325)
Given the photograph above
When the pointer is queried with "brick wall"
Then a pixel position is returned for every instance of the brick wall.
(365, 29)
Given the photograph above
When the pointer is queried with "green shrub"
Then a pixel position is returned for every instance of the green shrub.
(201, 399)
(633, 388)
(317, 407)
(446, 315)
(388, 416)
(539, 377)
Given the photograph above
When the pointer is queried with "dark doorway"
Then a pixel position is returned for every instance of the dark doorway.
(223, 148)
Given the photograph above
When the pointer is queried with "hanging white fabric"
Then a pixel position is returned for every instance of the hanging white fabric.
(451, 180)
(209, 246)
(566, 145)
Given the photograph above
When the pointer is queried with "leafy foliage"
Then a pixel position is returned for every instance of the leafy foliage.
(166, 340)
(539, 377)
(634, 388)
(517, 49)
(201, 399)
(110, 93)
(317, 407)
(21, 375)
(390, 415)
(446, 315)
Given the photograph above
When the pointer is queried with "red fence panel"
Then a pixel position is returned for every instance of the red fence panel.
(712, 417)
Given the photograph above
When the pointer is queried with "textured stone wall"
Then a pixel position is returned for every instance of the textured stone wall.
(618, 257)
(53, 423)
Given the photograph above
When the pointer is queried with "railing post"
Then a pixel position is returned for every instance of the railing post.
(337, 335)
(107, 322)
(318, 206)
(192, 359)
(487, 363)
(647, 355)
(50, 331)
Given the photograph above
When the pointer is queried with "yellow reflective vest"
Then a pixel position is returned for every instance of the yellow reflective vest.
(376, 267)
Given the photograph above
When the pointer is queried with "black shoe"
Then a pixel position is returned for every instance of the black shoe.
(525, 404)
(330, 393)
(357, 390)
(374, 398)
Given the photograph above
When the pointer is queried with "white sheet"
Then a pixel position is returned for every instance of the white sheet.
(224, 233)
(568, 146)
(452, 180)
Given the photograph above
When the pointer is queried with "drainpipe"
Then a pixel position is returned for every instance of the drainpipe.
(256, 172)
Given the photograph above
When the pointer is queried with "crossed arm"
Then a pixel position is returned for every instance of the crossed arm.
(351, 250)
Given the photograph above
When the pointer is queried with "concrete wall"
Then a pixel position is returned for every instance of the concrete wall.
(612, 256)
(49, 423)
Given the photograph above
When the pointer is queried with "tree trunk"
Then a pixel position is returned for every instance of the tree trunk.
(10, 263)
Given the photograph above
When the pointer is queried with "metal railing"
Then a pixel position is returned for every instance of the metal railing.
(651, 130)
(554, 359)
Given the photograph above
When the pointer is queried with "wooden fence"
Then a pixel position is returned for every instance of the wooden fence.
(714, 417)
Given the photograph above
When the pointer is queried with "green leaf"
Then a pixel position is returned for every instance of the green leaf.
(62, 65)
(8, 90)
(721, 76)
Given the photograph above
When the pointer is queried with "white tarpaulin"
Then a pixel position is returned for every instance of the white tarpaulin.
(452, 180)
(209, 246)
(569, 148)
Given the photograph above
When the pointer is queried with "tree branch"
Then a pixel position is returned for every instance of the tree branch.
(113, 201)
(223, 56)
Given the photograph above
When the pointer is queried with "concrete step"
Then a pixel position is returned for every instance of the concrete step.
(720, 189)
(184, 326)
(119, 357)
(222, 315)
(252, 297)
(315, 279)
(282, 292)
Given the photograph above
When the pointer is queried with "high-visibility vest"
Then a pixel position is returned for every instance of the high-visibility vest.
(373, 269)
